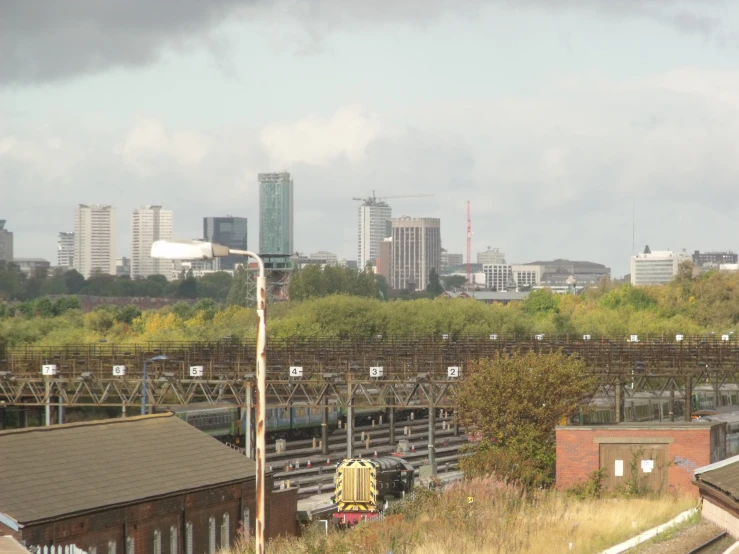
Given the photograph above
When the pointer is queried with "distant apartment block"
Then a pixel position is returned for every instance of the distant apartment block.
(491, 256)
(65, 249)
(509, 277)
(416, 251)
(149, 224)
(656, 267)
(30, 265)
(327, 258)
(123, 266)
(276, 213)
(374, 227)
(228, 231)
(449, 259)
(94, 239)
(714, 259)
(6, 243)
(556, 273)
(384, 260)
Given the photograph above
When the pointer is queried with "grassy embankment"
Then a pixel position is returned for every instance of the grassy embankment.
(498, 520)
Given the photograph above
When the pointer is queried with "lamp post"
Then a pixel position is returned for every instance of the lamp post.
(196, 250)
(143, 381)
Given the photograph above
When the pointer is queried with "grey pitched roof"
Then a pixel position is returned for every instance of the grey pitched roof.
(723, 475)
(46, 472)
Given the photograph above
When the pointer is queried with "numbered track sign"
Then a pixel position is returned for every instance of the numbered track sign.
(48, 369)
(493, 337)
(539, 337)
(377, 371)
(296, 371)
(724, 337)
(452, 371)
(678, 338)
(444, 337)
(196, 371)
(634, 338)
(586, 337)
(119, 370)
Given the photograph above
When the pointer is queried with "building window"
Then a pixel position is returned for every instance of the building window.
(111, 547)
(211, 535)
(188, 538)
(130, 545)
(173, 539)
(225, 531)
(247, 523)
(157, 542)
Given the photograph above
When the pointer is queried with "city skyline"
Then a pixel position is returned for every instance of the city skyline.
(552, 146)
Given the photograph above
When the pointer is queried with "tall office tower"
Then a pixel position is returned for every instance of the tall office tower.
(6, 243)
(65, 249)
(276, 213)
(228, 231)
(149, 224)
(416, 250)
(374, 216)
(94, 239)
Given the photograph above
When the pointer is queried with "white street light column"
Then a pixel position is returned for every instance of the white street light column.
(196, 250)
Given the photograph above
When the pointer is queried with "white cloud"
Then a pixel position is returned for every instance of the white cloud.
(314, 140)
(150, 146)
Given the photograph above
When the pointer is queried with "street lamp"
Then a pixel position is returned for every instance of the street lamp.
(143, 382)
(197, 250)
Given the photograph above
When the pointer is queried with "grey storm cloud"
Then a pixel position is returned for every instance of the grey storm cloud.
(48, 41)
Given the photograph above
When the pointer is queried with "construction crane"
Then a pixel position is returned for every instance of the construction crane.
(373, 199)
(469, 244)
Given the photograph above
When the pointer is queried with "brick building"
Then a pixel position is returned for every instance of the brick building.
(665, 454)
(143, 485)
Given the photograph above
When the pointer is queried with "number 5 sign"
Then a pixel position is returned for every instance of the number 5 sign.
(452, 371)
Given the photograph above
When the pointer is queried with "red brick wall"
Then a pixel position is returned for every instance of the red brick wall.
(578, 454)
(283, 517)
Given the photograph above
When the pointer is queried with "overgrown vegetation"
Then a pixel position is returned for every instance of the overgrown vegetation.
(499, 518)
(697, 306)
(532, 392)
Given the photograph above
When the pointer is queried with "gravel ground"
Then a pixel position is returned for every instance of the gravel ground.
(684, 540)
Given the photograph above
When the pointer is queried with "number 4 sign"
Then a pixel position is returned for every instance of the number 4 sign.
(296, 371)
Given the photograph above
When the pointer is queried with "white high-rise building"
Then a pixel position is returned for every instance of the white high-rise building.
(506, 277)
(65, 249)
(94, 239)
(149, 224)
(655, 268)
(416, 251)
(374, 227)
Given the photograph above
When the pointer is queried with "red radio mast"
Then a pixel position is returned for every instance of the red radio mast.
(469, 244)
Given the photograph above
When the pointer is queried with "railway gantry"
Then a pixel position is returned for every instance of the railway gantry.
(377, 373)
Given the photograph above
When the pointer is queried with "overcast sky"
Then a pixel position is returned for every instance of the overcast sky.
(553, 117)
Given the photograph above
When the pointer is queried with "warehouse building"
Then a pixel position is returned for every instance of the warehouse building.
(143, 485)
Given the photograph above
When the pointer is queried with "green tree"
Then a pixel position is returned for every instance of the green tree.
(238, 293)
(434, 287)
(541, 301)
(452, 282)
(514, 403)
(74, 281)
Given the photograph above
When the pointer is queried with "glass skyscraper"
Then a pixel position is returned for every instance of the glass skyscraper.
(276, 213)
(228, 231)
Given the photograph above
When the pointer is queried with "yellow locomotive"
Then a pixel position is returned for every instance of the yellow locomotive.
(363, 484)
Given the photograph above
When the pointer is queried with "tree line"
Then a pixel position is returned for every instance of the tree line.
(15, 285)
